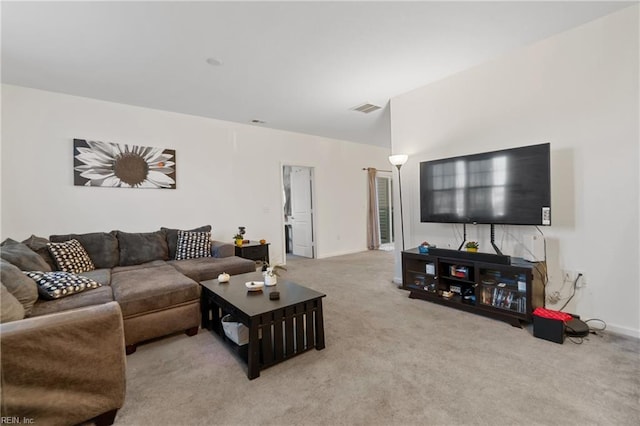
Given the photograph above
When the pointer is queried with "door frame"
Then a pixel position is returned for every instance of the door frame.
(314, 205)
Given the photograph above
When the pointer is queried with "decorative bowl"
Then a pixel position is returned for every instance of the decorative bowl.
(254, 285)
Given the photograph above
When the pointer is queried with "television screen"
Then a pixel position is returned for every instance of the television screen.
(511, 187)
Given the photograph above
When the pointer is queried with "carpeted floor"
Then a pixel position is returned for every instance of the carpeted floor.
(389, 360)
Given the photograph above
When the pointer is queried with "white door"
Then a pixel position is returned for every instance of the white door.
(301, 211)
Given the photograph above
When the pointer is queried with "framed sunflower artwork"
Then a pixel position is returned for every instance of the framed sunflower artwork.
(124, 166)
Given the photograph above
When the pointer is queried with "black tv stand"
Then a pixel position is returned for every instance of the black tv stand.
(500, 287)
(493, 238)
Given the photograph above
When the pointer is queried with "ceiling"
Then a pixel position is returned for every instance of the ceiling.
(297, 66)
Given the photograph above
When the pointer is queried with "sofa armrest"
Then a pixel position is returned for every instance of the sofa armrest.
(222, 249)
(64, 368)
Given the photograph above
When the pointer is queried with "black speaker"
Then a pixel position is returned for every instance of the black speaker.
(476, 257)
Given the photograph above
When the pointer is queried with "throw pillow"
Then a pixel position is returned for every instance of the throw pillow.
(172, 237)
(70, 256)
(12, 310)
(23, 257)
(102, 247)
(20, 286)
(192, 245)
(57, 284)
(39, 245)
(142, 247)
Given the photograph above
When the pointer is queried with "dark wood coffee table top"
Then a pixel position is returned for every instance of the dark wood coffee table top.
(254, 303)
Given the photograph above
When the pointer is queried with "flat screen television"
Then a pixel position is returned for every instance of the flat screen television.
(510, 187)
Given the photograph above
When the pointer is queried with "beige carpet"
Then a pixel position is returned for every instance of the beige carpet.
(389, 360)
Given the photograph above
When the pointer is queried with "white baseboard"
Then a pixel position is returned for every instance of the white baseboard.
(625, 331)
(338, 253)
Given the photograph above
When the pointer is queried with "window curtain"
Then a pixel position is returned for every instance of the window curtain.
(373, 225)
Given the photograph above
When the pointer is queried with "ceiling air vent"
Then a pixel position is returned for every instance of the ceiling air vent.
(367, 108)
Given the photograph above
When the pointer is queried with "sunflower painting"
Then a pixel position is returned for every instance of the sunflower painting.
(126, 166)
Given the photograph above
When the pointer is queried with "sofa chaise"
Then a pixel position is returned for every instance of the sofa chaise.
(154, 278)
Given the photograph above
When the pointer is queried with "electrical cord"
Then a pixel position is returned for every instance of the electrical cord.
(576, 340)
(573, 292)
(580, 340)
(545, 273)
(555, 296)
(595, 330)
(544, 245)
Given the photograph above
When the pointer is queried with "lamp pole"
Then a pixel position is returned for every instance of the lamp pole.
(398, 160)
(401, 215)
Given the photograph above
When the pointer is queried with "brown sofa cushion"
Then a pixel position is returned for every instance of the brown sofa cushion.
(222, 249)
(22, 256)
(172, 237)
(101, 247)
(19, 285)
(207, 268)
(10, 308)
(137, 248)
(102, 276)
(39, 245)
(151, 264)
(152, 289)
(63, 369)
(96, 296)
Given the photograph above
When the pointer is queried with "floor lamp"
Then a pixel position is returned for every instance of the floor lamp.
(398, 160)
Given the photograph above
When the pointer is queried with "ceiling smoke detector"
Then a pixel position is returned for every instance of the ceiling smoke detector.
(367, 108)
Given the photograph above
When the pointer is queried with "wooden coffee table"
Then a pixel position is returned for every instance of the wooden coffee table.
(278, 329)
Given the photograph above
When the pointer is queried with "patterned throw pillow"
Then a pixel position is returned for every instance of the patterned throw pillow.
(192, 245)
(70, 256)
(54, 285)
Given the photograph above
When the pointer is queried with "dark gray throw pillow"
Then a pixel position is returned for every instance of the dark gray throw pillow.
(172, 237)
(39, 245)
(10, 307)
(23, 257)
(101, 247)
(20, 286)
(138, 248)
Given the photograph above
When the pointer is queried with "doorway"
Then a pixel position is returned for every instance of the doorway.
(298, 211)
(384, 190)
(384, 198)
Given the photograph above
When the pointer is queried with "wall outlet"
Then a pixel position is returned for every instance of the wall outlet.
(569, 276)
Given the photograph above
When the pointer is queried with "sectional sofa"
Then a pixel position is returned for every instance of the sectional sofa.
(87, 297)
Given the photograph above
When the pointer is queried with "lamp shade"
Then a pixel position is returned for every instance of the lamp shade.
(398, 159)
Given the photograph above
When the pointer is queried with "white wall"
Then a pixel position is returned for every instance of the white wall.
(228, 174)
(579, 91)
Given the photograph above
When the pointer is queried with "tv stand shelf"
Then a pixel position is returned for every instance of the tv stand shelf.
(508, 291)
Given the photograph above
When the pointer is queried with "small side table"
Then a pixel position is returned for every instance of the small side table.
(254, 250)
